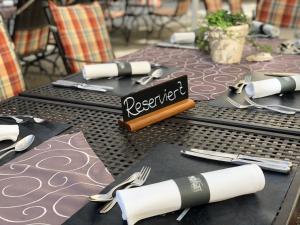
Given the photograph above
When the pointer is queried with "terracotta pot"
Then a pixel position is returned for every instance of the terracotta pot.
(226, 45)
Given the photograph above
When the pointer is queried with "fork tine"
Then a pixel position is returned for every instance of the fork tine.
(147, 173)
(142, 171)
(232, 102)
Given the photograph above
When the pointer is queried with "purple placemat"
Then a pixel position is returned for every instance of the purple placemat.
(208, 80)
(49, 183)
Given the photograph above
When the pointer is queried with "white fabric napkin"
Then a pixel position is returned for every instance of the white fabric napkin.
(263, 88)
(95, 71)
(7, 3)
(183, 38)
(171, 195)
(265, 29)
(9, 132)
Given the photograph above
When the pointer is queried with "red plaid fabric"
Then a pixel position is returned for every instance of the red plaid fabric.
(82, 31)
(216, 5)
(11, 79)
(28, 42)
(284, 13)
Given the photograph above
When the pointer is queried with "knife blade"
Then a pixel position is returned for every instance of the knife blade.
(267, 164)
(274, 74)
(170, 45)
(67, 83)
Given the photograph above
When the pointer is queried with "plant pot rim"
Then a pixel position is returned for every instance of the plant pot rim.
(236, 27)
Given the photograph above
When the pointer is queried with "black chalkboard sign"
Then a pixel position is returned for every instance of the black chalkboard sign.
(154, 98)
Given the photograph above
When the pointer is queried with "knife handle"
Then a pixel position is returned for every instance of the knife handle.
(9, 132)
(264, 165)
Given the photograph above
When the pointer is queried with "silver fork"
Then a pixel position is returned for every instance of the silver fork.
(109, 195)
(269, 107)
(272, 105)
(139, 181)
(247, 80)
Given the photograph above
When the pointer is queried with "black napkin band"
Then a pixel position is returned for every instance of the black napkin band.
(288, 84)
(261, 28)
(124, 69)
(193, 190)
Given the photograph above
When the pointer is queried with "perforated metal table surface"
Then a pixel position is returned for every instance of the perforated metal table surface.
(119, 149)
(256, 119)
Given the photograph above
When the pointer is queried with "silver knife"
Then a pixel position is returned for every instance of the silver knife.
(170, 45)
(265, 163)
(67, 83)
(275, 74)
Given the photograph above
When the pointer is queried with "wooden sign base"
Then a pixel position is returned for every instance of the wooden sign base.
(158, 115)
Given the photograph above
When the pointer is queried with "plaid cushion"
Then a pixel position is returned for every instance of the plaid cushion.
(31, 41)
(154, 3)
(82, 31)
(215, 5)
(285, 13)
(183, 7)
(11, 79)
(235, 6)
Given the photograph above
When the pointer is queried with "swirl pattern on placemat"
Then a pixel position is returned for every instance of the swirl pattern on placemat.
(49, 183)
(207, 80)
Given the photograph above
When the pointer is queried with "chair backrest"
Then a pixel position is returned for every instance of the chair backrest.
(31, 30)
(281, 13)
(83, 34)
(182, 7)
(215, 5)
(11, 79)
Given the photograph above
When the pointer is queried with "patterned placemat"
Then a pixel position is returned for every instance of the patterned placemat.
(51, 182)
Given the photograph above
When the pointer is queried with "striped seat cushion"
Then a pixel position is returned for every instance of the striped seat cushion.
(284, 13)
(154, 3)
(216, 5)
(83, 34)
(11, 79)
(28, 42)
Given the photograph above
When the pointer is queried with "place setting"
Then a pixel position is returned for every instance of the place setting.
(263, 91)
(116, 78)
(19, 133)
(205, 181)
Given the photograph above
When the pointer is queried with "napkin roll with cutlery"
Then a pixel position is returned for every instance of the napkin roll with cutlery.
(171, 195)
(9, 132)
(115, 69)
(183, 38)
(278, 85)
(265, 29)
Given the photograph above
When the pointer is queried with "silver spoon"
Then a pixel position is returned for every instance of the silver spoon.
(18, 120)
(19, 146)
(155, 74)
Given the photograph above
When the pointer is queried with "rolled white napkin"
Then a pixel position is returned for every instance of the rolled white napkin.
(95, 71)
(7, 3)
(278, 85)
(183, 38)
(265, 29)
(171, 195)
(9, 132)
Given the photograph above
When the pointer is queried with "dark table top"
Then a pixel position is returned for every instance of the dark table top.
(250, 132)
(119, 149)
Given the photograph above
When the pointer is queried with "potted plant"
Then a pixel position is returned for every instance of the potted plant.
(224, 35)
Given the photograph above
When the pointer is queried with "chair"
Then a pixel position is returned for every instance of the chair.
(11, 79)
(81, 33)
(31, 35)
(216, 5)
(171, 14)
(278, 12)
